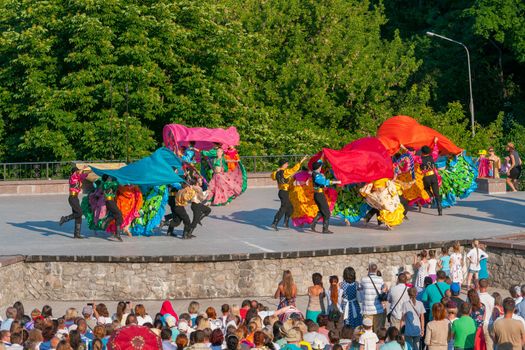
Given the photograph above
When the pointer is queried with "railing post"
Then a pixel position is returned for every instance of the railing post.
(254, 164)
(47, 170)
(5, 172)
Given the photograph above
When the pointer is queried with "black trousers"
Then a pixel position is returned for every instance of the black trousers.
(171, 203)
(113, 209)
(199, 211)
(286, 207)
(404, 202)
(322, 205)
(74, 203)
(180, 215)
(370, 214)
(430, 183)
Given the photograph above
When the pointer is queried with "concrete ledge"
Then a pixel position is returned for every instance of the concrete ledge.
(36, 187)
(491, 186)
(7, 260)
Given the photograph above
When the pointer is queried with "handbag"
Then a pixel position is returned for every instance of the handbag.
(381, 296)
(389, 315)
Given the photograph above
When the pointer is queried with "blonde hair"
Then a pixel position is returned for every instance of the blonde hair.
(203, 324)
(140, 310)
(71, 314)
(193, 308)
(511, 145)
(288, 284)
(235, 310)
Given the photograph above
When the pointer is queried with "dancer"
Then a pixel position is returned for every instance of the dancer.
(284, 178)
(430, 180)
(75, 186)
(173, 188)
(188, 153)
(179, 213)
(224, 186)
(110, 187)
(199, 209)
(320, 182)
(383, 196)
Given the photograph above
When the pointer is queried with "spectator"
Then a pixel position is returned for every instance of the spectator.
(131, 319)
(99, 333)
(422, 268)
(286, 290)
(122, 312)
(488, 302)
(435, 292)
(17, 341)
(413, 319)
(87, 313)
(368, 340)
(464, 329)
(372, 291)
(5, 337)
(193, 310)
(181, 341)
(142, 316)
(350, 288)
(432, 264)
(333, 337)
(313, 336)
(438, 330)
(509, 333)
(10, 314)
(216, 339)
(47, 312)
(64, 345)
(444, 261)
(293, 339)
(70, 317)
(455, 290)
(34, 339)
(477, 311)
(245, 306)
(473, 258)
(199, 341)
(75, 340)
(225, 310)
(452, 313)
(47, 333)
(334, 298)
(456, 264)
(515, 293)
(397, 297)
(212, 317)
(394, 340)
(514, 172)
(165, 336)
(259, 340)
(316, 295)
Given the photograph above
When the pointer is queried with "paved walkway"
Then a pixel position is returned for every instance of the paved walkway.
(28, 226)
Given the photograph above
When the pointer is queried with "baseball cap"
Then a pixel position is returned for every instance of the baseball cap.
(455, 288)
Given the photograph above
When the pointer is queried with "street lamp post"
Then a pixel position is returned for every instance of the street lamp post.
(471, 104)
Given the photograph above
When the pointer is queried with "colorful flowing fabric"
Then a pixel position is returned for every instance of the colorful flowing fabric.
(129, 201)
(458, 179)
(152, 211)
(483, 167)
(94, 209)
(232, 157)
(413, 189)
(403, 130)
(384, 196)
(176, 135)
(350, 205)
(225, 186)
(304, 207)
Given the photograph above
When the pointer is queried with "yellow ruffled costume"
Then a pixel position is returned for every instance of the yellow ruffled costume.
(383, 195)
(413, 189)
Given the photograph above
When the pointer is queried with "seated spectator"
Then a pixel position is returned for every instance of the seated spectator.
(47, 312)
(5, 337)
(87, 313)
(70, 316)
(142, 316)
(181, 341)
(313, 336)
(259, 341)
(199, 341)
(347, 334)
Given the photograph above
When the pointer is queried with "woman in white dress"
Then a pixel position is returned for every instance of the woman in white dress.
(422, 269)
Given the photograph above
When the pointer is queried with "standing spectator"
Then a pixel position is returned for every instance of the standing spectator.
(513, 173)
(413, 319)
(508, 333)
(422, 268)
(316, 295)
(432, 265)
(121, 313)
(293, 339)
(438, 330)
(452, 313)
(182, 341)
(435, 292)
(313, 335)
(19, 310)
(334, 298)
(444, 261)
(494, 163)
(473, 258)
(515, 293)
(193, 310)
(483, 261)
(10, 314)
(498, 306)
(456, 264)
(455, 291)
(212, 317)
(373, 291)
(488, 302)
(397, 296)
(286, 290)
(368, 340)
(47, 312)
(101, 313)
(464, 329)
(217, 338)
(5, 337)
(477, 311)
(87, 313)
(352, 310)
(225, 310)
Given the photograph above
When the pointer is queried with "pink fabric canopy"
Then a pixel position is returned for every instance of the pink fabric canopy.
(176, 135)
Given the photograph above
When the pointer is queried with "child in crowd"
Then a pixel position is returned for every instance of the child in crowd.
(368, 340)
(456, 264)
(422, 268)
(193, 310)
(432, 264)
(444, 261)
(452, 315)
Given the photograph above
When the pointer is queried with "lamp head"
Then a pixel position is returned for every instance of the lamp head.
(430, 34)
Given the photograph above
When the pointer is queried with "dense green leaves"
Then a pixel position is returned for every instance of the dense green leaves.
(81, 78)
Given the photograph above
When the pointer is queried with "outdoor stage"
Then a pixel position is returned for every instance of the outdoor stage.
(28, 226)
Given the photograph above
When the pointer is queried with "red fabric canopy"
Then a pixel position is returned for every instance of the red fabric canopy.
(407, 131)
(364, 160)
(176, 135)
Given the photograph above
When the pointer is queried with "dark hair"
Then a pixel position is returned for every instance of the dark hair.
(199, 336)
(131, 319)
(232, 342)
(277, 330)
(48, 332)
(102, 310)
(165, 334)
(181, 341)
(509, 305)
(464, 309)
(121, 308)
(225, 308)
(381, 333)
(337, 347)
(47, 311)
(322, 320)
(250, 314)
(347, 332)
(402, 278)
(74, 339)
(333, 336)
(425, 150)
(349, 275)
(441, 275)
(473, 298)
(311, 326)
(427, 281)
(444, 250)
(246, 302)
(432, 253)
(217, 337)
(393, 334)
(317, 279)
(19, 310)
(484, 283)
(259, 339)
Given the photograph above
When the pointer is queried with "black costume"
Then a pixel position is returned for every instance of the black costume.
(75, 186)
(284, 178)
(320, 182)
(110, 188)
(430, 180)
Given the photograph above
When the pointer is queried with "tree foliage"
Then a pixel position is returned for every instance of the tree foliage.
(98, 79)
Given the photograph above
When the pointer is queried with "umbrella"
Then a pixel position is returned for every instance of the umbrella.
(134, 337)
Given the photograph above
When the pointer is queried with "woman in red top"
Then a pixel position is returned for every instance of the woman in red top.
(75, 186)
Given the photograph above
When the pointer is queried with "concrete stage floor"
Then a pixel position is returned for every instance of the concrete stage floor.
(28, 226)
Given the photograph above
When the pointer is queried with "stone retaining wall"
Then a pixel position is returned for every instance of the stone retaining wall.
(506, 266)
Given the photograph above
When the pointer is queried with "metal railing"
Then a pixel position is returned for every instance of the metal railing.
(62, 170)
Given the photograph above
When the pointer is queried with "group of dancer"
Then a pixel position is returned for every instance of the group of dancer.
(388, 199)
(134, 208)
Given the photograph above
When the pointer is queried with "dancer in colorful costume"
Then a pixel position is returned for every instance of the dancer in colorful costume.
(180, 215)
(129, 202)
(430, 178)
(75, 186)
(110, 187)
(383, 196)
(199, 209)
(284, 177)
(319, 183)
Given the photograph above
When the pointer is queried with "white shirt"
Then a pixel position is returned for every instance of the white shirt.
(488, 301)
(474, 257)
(369, 339)
(167, 345)
(398, 294)
(339, 299)
(312, 337)
(432, 263)
(104, 320)
(371, 303)
(146, 319)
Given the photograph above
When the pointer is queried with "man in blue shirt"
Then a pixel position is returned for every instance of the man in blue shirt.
(320, 182)
(435, 292)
